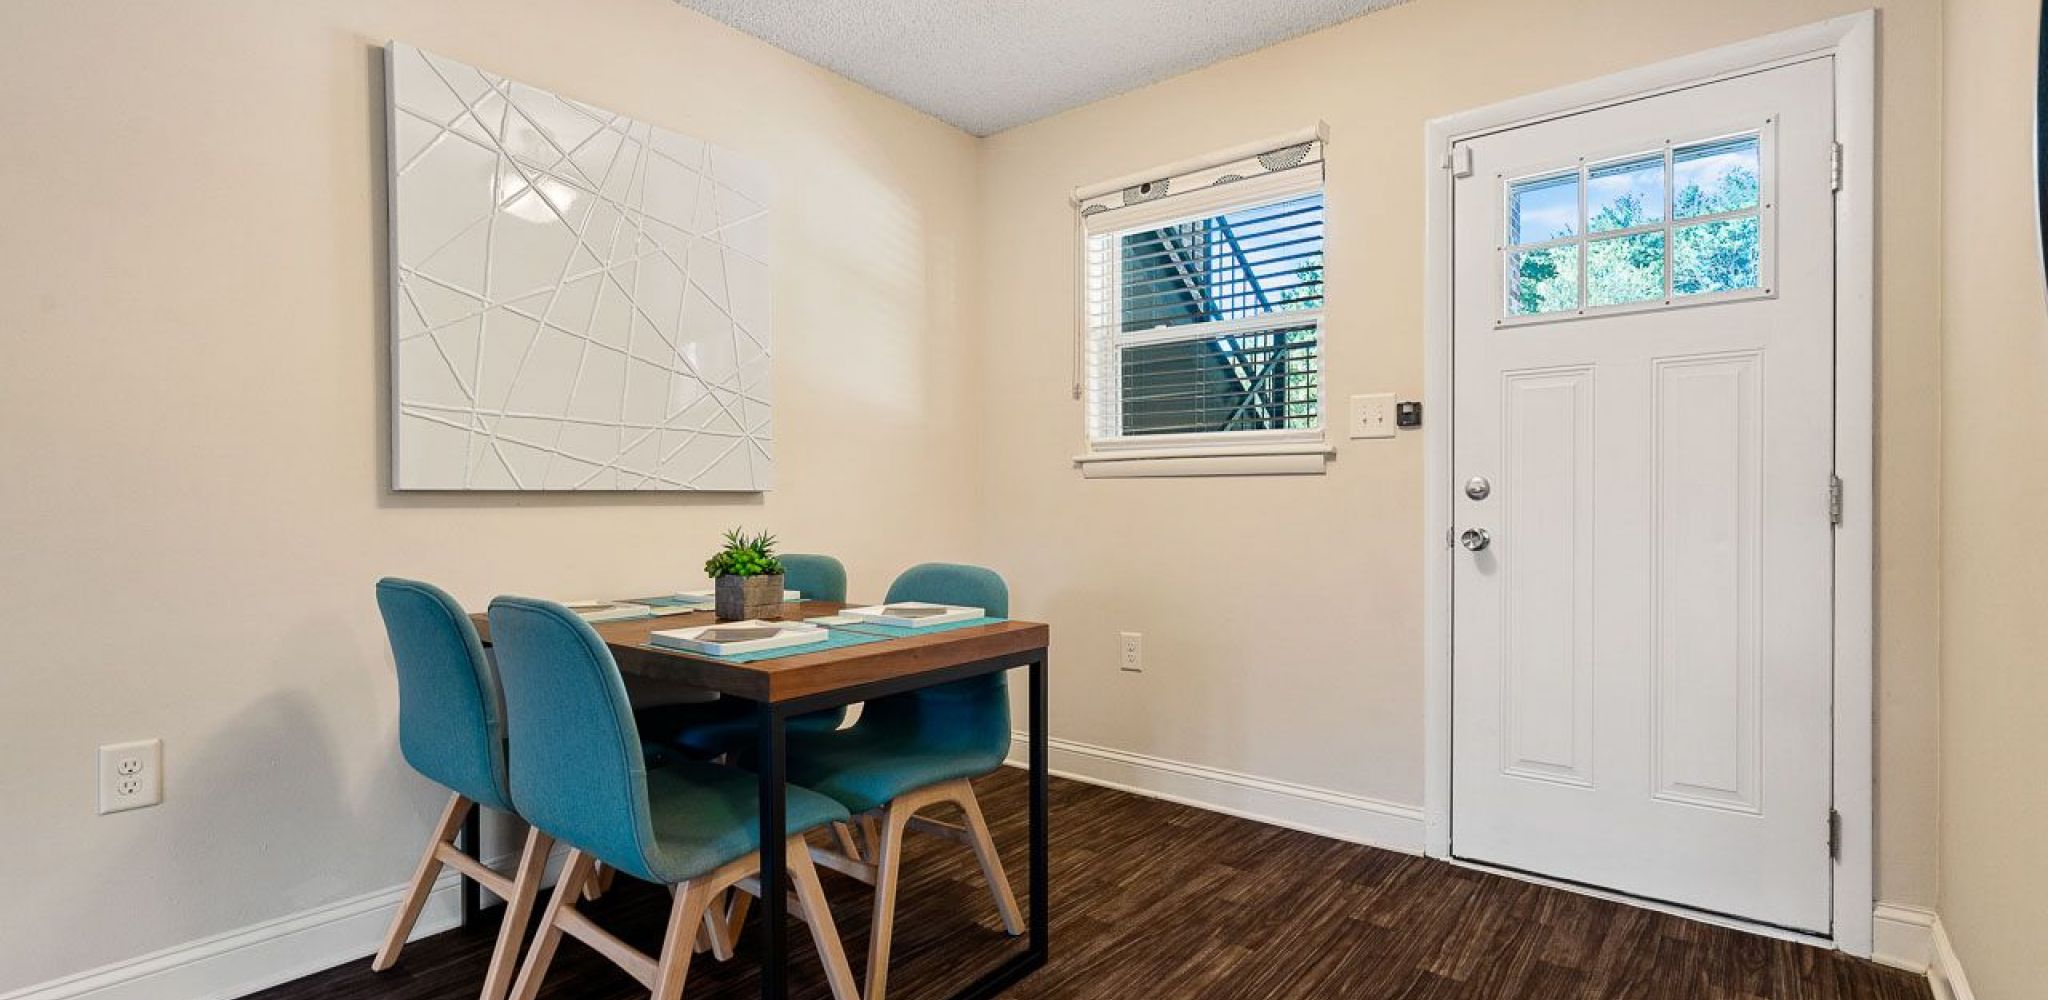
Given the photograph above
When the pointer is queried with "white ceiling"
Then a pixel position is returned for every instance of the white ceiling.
(987, 65)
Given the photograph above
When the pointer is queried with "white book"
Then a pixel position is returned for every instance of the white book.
(913, 614)
(606, 611)
(728, 638)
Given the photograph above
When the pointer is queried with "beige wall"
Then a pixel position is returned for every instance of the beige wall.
(1339, 705)
(191, 422)
(194, 201)
(1994, 685)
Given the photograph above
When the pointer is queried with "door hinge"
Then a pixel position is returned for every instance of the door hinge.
(1834, 835)
(1834, 499)
(1459, 161)
(1835, 168)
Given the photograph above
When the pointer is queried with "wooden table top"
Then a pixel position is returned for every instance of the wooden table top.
(800, 675)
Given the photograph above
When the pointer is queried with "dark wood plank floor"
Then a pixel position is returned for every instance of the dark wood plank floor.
(1155, 901)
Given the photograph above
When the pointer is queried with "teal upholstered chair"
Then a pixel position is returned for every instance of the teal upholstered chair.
(915, 750)
(712, 729)
(579, 775)
(451, 728)
(817, 578)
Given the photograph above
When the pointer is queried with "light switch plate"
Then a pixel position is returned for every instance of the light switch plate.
(1372, 416)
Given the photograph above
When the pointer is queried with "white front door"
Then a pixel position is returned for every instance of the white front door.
(1643, 427)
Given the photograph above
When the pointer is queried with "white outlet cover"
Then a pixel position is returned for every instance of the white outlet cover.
(1131, 652)
(131, 775)
(1372, 415)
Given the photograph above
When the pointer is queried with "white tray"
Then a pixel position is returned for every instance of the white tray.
(892, 614)
(690, 640)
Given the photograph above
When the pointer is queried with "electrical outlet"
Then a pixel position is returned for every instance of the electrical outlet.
(1372, 416)
(131, 775)
(1132, 653)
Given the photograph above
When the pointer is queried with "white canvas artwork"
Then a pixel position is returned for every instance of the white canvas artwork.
(580, 300)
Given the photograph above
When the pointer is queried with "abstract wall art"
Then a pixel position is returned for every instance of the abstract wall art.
(580, 301)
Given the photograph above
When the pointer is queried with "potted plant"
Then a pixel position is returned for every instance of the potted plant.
(747, 575)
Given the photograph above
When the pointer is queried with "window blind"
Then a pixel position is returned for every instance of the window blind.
(1203, 296)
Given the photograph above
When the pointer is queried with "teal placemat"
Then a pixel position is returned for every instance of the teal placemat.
(899, 632)
(840, 638)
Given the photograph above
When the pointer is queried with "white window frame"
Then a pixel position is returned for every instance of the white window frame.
(1765, 212)
(1111, 454)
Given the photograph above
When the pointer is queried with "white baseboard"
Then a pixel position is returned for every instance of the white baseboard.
(1902, 937)
(1340, 815)
(1946, 975)
(1913, 938)
(263, 955)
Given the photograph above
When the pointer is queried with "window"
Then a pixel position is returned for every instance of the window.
(1673, 227)
(1203, 310)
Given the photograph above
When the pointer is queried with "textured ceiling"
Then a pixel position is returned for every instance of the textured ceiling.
(987, 65)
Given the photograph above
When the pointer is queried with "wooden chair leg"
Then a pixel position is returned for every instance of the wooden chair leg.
(735, 921)
(847, 845)
(533, 863)
(679, 945)
(600, 881)
(570, 886)
(817, 915)
(991, 862)
(422, 882)
(888, 853)
(719, 938)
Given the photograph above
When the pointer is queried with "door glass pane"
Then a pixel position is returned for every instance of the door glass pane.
(1718, 176)
(1543, 281)
(1625, 269)
(1715, 256)
(1546, 208)
(1625, 195)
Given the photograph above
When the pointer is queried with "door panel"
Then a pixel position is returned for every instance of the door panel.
(1548, 608)
(1641, 657)
(1706, 675)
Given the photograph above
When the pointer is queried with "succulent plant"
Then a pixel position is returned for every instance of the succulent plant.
(744, 556)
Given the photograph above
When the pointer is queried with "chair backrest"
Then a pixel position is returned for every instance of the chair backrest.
(966, 715)
(817, 578)
(578, 771)
(451, 720)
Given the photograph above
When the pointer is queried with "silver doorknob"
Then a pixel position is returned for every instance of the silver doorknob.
(1475, 539)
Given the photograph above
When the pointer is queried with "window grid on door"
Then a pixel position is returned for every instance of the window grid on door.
(1687, 224)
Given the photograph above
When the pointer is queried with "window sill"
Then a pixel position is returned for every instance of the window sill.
(1303, 459)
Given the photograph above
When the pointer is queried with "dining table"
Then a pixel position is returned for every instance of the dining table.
(793, 683)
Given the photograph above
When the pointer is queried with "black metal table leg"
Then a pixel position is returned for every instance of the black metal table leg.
(773, 763)
(1041, 808)
(472, 844)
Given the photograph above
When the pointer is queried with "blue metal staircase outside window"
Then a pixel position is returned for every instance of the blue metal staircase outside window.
(1247, 286)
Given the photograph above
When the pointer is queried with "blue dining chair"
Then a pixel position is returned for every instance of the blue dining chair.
(911, 751)
(451, 728)
(578, 773)
(713, 729)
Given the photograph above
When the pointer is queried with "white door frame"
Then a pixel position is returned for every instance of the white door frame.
(1852, 41)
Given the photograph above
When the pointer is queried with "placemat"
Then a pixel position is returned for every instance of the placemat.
(900, 632)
